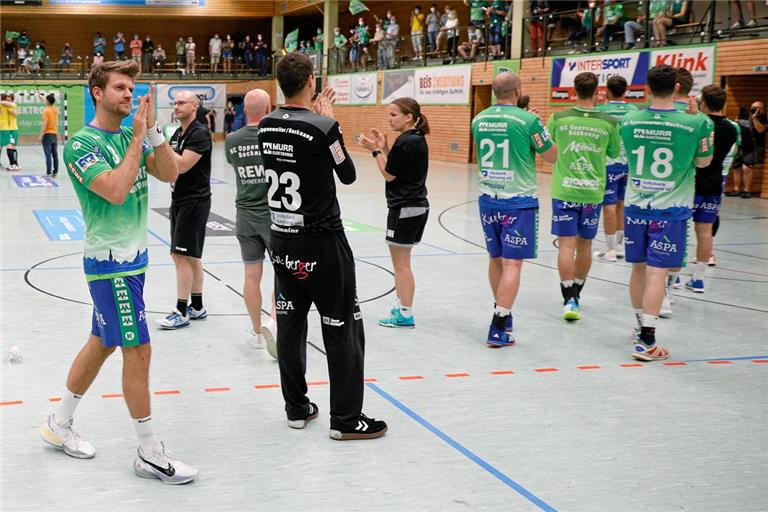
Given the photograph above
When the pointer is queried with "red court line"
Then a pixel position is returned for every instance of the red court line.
(216, 390)
(502, 372)
(760, 360)
(589, 367)
(675, 363)
(55, 399)
(13, 402)
(632, 365)
(371, 380)
(318, 383)
(411, 377)
(112, 395)
(543, 370)
(266, 386)
(719, 362)
(168, 392)
(453, 375)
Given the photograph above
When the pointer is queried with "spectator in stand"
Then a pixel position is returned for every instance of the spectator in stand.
(677, 12)
(441, 37)
(474, 39)
(227, 48)
(260, 49)
(392, 38)
(66, 55)
(753, 124)
(354, 47)
(585, 15)
(119, 42)
(451, 29)
(339, 55)
(302, 47)
(497, 12)
(98, 60)
(613, 21)
(630, 27)
(9, 48)
(21, 58)
(381, 47)
(417, 32)
(739, 17)
(318, 42)
(49, 135)
(136, 49)
(246, 49)
(214, 52)
(147, 48)
(363, 38)
(180, 51)
(537, 9)
(38, 54)
(24, 41)
(433, 27)
(189, 49)
(477, 12)
(158, 58)
(229, 117)
(99, 44)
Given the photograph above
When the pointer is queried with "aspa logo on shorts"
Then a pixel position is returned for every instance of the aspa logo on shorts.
(664, 245)
(282, 305)
(86, 161)
(517, 240)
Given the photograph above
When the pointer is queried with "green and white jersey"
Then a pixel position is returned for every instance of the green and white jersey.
(476, 9)
(617, 109)
(659, 6)
(612, 10)
(728, 161)
(115, 235)
(584, 138)
(242, 150)
(661, 147)
(507, 139)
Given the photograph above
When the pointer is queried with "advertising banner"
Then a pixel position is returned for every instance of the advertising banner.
(439, 85)
(354, 89)
(633, 66)
(212, 96)
(141, 89)
(30, 106)
(502, 66)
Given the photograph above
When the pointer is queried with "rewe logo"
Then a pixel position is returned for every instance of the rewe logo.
(283, 305)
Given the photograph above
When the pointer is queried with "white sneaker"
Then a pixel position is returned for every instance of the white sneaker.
(620, 250)
(751, 23)
(666, 307)
(174, 321)
(269, 333)
(162, 465)
(64, 438)
(736, 25)
(255, 340)
(711, 262)
(606, 255)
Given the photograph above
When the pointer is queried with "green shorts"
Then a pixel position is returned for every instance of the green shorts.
(8, 137)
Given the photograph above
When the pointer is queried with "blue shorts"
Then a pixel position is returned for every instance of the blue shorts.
(119, 318)
(572, 219)
(615, 186)
(705, 208)
(659, 243)
(510, 233)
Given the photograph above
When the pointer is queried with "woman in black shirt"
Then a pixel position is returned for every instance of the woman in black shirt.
(404, 167)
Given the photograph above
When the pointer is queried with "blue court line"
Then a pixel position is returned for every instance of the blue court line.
(166, 242)
(740, 358)
(741, 243)
(464, 451)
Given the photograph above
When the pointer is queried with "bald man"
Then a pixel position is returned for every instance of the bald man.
(190, 206)
(253, 218)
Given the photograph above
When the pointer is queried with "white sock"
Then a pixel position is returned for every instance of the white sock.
(619, 236)
(67, 406)
(406, 311)
(147, 438)
(649, 320)
(397, 303)
(698, 272)
(579, 281)
(639, 317)
(610, 242)
(500, 311)
(567, 283)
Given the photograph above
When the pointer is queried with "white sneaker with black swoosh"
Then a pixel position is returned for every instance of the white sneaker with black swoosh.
(162, 465)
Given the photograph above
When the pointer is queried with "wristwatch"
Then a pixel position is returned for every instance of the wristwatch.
(375, 153)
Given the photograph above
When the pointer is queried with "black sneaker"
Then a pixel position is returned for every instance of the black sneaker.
(366, 428)
(314, 410)
(733, 193)
(745, 195)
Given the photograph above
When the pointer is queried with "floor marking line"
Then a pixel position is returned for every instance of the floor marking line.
(544, 370)
(465, 451)
(166, 242)
(456, 375)
(55, 399)
(739, 358)
(589, 367)
(371, 380)
(168, 392)
(675, 363)
(632, 365)
(760, 360)
(266, 386)
(217, 390)
(12, 402)
(318, 383)
(112, 395)
(411, 377)
(502, 372)
(719, 362)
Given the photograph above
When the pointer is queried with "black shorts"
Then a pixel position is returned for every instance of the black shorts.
(405, 226)
(747, 159)
(188, 221)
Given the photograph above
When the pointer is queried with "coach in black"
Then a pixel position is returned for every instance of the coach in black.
(190, 205)
(312, 260)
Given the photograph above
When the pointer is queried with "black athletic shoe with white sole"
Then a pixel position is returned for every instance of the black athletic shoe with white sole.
(314, 410)
(366, 428)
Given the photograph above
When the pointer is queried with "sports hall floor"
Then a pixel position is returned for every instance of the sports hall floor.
(565, 420)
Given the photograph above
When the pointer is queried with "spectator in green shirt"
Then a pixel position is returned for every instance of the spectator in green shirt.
(613, 21)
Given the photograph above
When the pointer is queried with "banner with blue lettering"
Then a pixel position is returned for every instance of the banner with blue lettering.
(633, 65)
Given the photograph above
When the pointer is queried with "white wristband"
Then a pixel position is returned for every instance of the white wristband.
(155, 136)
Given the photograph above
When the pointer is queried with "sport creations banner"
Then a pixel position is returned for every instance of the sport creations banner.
(440, 85)
(354, 89)
(30, 106)
(633, 66)
(212, 96)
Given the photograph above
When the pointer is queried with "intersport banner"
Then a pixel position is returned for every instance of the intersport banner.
(633, 66)
(212, 96)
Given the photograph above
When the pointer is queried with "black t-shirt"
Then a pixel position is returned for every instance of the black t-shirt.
(709, 179)
(408, 161)
(202, 115)
(760, 137)
(195, 184)
(301, 151)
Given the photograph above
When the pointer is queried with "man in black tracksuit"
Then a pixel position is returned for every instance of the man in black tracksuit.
(312, 260)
